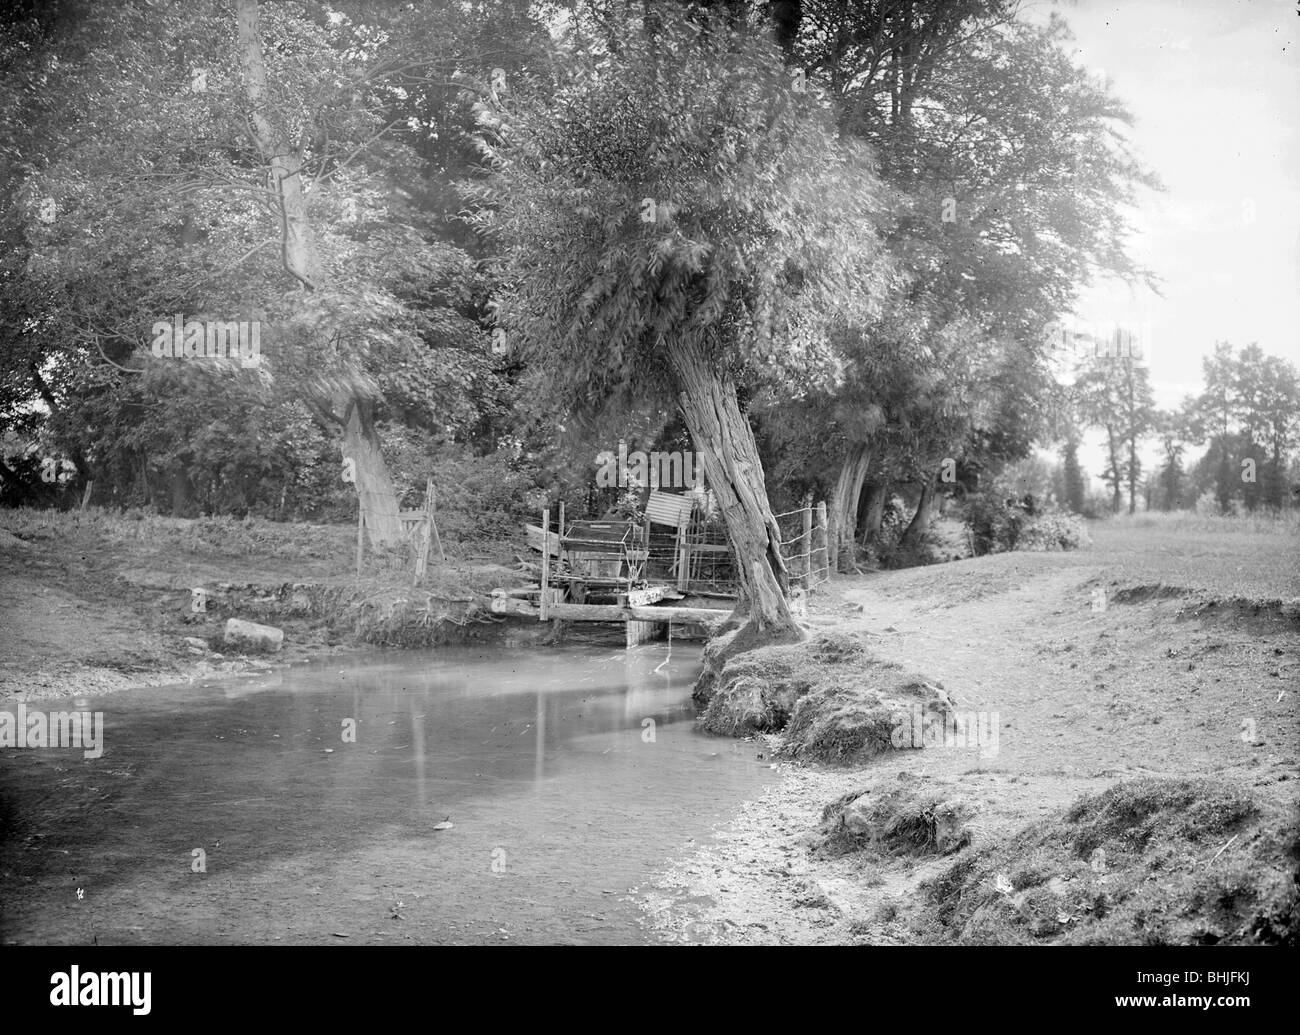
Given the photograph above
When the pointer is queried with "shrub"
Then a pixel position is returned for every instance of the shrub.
(995, 527)
(1052, 532)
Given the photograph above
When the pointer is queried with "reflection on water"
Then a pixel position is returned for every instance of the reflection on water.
(576, 766)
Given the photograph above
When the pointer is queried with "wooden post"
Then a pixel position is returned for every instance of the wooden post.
(90, 484)
(546, 565)
(825, 547)
(807, 541)
(559, 546)
(645, 546)
(637, 633)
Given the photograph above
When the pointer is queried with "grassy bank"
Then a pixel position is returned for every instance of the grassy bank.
(94, 601)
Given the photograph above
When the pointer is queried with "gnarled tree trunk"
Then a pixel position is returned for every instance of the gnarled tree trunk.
(873, 510)
(733, 470)
(920, 523)
(844, 503)
(375, 490)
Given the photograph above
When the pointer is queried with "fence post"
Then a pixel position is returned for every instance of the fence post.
(807, 541)
(546, 564)
(825, 540)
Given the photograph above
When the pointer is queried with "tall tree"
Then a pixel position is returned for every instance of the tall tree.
(1114, 393)
(676, 215)
(1175, 429)
(1268, 402)
(1010, 164)
(1217, 410)
(262, 182)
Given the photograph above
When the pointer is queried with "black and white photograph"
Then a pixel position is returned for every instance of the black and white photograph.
(650, 473)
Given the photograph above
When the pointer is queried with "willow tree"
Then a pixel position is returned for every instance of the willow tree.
(679, 217)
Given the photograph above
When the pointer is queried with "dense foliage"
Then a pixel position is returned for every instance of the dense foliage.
(863, 218)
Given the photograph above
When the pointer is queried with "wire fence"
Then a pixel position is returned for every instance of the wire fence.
(804, 545)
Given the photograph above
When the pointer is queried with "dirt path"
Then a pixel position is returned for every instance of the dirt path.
(1159, 683)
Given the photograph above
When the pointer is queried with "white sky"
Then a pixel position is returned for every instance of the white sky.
(1214, 88)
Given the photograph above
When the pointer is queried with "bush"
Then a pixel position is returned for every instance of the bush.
(996, 527)
(1052, 532)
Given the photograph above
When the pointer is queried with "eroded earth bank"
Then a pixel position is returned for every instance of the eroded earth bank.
(1118, 761)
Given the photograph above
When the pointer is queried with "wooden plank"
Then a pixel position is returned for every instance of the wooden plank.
(535, 540)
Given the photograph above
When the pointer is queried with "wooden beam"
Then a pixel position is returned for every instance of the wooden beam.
(659, 613)
(609, 612)
(588, 612)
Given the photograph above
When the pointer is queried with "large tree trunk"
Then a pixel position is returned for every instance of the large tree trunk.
(374, 485)
(873, 510)
(376, 495)
(844, 504)
(733, 470)
(182, 492)
(920, 523)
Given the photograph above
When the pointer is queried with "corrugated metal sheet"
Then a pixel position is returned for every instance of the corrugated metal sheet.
(666, 508)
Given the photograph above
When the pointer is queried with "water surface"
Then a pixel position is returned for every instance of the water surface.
(569, 776)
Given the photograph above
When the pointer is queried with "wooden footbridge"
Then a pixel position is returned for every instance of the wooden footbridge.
(674, 572)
